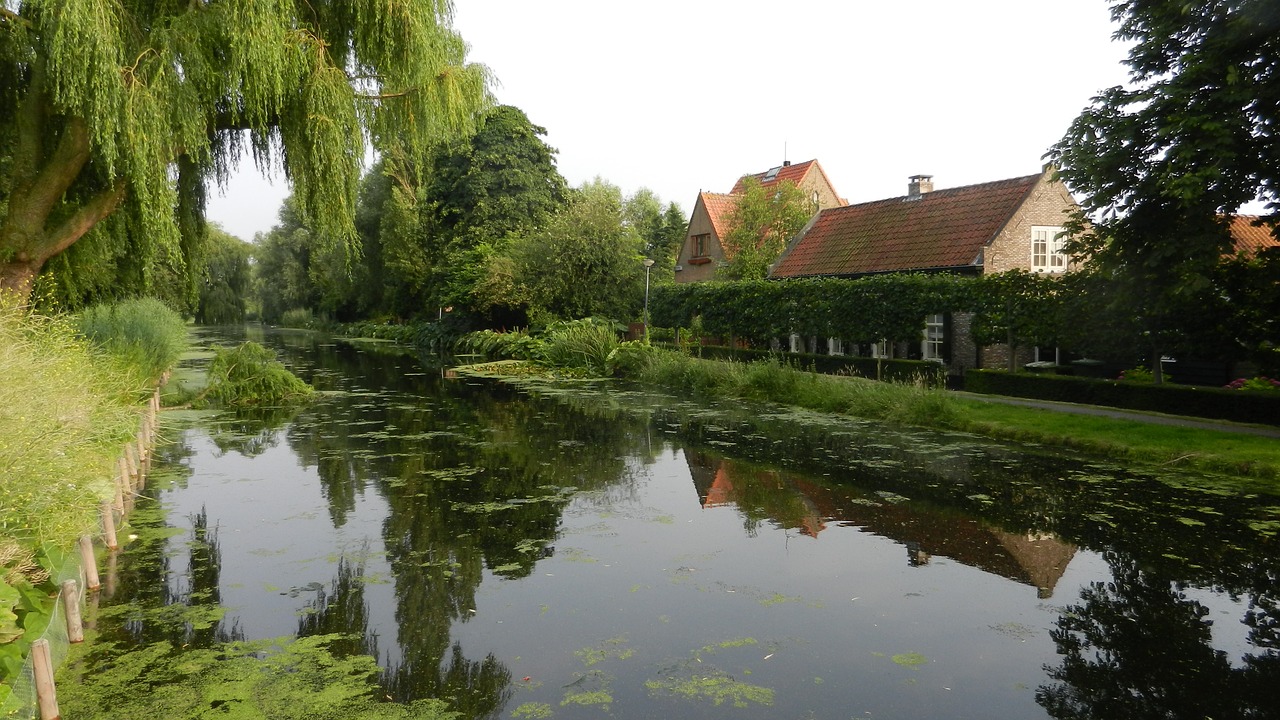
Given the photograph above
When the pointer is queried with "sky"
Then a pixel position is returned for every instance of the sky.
(686, 95)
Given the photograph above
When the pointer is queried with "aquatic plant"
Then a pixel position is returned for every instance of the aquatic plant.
(250, 374)
(279, 679)
(581, 344)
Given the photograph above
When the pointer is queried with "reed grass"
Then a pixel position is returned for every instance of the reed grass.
(66, 410)
(145, 334)
(771, 380)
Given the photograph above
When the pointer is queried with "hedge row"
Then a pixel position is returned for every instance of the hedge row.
(1235, 405)
(934, 374)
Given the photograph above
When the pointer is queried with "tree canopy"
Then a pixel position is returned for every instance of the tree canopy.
(1160, 164)
(762, 223)
(131, 107)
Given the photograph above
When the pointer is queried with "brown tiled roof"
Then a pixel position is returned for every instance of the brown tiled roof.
(794, 172)
(719, 208)
(1249, 236)
(940, 229)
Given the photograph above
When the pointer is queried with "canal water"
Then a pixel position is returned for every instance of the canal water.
(586, 550)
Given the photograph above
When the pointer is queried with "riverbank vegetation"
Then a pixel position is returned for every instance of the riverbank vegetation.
(70, 400)
(916, 403)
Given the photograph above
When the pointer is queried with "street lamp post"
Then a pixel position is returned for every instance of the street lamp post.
(648, 263)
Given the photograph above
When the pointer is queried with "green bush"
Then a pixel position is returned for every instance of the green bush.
(514, 345)
(1218, 403)
(251, 375)
(581, 344)
(143, 332)
(631, 358)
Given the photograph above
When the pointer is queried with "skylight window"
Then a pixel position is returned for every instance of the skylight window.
(772, 174)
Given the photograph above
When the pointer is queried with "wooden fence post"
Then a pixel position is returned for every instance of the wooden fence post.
(131, 457)
(120, 481)
(71, 605)
(46, 693)
(90, 563)
(109, 524)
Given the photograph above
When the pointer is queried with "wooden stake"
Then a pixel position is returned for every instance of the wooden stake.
(90, 563)
(109, 523)
(120, 483)
(71, 605)
(130, 456)
(46, 693)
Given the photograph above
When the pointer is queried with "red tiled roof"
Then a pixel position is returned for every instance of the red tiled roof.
(719, 208)
(1250, 237)
(941, 229)
(795, 173)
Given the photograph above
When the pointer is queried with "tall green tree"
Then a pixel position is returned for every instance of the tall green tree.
(1160, 163)
(761, 225)
(227, 280)
(585, 262)
(661, 229)
(130, 106)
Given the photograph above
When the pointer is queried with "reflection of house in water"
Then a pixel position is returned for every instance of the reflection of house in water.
(797, 503)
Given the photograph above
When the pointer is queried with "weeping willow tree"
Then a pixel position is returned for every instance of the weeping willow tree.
(115, 115)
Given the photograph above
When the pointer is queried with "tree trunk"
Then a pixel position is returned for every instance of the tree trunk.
(17, 278)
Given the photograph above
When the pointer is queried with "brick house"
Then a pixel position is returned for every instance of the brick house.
(702, 251)
(988, 227)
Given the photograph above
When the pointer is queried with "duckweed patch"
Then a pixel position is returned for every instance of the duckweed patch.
(911, 659)
(715, 686)
(279, 679)
(611, 649)
(532, 710)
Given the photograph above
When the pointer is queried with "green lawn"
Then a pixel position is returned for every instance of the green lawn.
(1220, 451)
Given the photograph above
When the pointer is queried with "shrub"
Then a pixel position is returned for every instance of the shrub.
(630, 358)
(251, 375)
(581, 344)
(144, 333)
(1257, 383)
(300, 318)
(515, 345)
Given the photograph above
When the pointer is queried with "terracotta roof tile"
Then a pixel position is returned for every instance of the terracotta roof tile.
(1249, 236)
(794, 172)
(719, 208)
(940, 229)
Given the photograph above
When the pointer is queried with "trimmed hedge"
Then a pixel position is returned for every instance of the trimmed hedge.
(908, 371)
(1235, 405)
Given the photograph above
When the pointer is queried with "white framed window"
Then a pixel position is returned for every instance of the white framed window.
(1046, 249)
(934, 337)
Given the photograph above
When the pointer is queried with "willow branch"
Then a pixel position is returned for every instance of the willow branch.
(89, 214)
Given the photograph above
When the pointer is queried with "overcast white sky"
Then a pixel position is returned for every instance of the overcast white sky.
(687, 95)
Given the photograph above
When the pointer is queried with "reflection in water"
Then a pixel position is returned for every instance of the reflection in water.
(793, 502)
(561, 510)
(1139, 647)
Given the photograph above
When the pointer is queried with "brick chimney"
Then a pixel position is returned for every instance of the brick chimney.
(919, 185)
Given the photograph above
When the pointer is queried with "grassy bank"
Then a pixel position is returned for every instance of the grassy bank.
(68, 405)
(1238, 454)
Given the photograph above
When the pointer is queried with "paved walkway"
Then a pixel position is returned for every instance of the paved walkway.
(1134, 415)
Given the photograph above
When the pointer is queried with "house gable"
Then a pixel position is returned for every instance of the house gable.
(702, 251)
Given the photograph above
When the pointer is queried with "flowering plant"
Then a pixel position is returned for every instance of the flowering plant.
(1256, 383)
